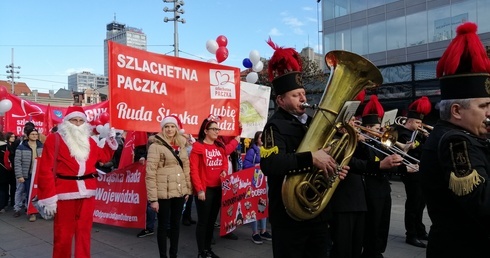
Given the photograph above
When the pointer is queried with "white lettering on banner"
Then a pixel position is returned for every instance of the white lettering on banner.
(92, 114)
(142, 85)
(122, 197)
(259, 192)
(124, 112)
(111, 178)
(132, 63)
(115, 216)
(133, 177)
(23, 104)
(223, 112)
(185, 118)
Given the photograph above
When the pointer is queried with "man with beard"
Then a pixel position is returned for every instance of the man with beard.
(67, 181)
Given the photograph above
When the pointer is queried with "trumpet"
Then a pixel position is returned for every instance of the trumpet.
(401, 120)
(387, 139)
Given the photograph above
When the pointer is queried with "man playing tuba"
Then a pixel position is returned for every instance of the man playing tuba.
(282, 135)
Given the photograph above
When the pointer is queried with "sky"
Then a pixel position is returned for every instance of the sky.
(53, 39)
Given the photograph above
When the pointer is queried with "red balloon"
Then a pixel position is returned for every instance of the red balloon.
(222, 41)
(104, 118)
(3, 92)
(221, 54)
(96, 122)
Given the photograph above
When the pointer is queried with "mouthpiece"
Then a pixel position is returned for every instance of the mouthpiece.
(315, 106)
(487, 121)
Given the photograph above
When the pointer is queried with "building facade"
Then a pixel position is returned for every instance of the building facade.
(122, 34)
(86, 80)
(404, 38)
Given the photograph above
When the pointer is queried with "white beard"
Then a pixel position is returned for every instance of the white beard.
(77, 138)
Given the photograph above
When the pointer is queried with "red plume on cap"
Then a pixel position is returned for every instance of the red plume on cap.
(361, 96)
(421, 105)
(373, 107)
(465, 53)
(284, 60)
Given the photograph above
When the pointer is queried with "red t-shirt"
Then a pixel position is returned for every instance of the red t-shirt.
(207, 161)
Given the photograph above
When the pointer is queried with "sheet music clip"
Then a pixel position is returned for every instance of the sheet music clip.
(348, 111)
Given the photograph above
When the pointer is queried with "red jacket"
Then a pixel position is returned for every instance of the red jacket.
(51, 188)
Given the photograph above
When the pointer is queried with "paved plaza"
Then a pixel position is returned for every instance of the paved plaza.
(21, 238)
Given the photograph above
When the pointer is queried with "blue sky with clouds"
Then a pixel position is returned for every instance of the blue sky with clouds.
(52, 39)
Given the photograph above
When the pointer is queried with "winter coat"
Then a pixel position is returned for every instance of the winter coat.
(23, 159)
(165, 178)
(252, 157)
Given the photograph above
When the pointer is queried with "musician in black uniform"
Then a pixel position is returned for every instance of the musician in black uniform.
(379, 165)
(281, 137)
(455, 162)
(415, 203)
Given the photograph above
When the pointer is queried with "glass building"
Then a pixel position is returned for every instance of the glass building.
(404, 38)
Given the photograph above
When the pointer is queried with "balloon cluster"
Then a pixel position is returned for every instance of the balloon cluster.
(5, 104)
(101, 125)
(218, 48)
(253, 61)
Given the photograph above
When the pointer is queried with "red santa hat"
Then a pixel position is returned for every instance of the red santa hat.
(75, 111)
(172, 119)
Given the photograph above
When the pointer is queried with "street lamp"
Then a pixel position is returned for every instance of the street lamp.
(177, 12)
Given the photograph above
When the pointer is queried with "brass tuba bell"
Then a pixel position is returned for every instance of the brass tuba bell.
(306, 195)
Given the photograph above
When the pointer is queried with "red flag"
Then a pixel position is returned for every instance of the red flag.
(127, 153)
(48, 121)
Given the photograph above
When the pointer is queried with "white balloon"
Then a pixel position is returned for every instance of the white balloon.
(99, 128)
(5, 105)
(212, 46)
(258, 66)
(252, 77)
(213, 61)
(254, 56)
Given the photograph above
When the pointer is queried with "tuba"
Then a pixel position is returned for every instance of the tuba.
(306, 195)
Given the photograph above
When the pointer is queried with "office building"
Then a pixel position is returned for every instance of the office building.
(404, 38)
(86, 80)
(122, 34)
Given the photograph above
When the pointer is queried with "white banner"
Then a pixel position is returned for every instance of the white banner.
(254, 107)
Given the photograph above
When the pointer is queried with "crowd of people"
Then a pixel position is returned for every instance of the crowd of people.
(445, 170)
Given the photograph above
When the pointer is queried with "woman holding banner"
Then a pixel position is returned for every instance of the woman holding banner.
(252, 158)
(168, 182)
(209, 162)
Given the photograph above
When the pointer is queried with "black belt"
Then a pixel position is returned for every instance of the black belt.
(93, 175)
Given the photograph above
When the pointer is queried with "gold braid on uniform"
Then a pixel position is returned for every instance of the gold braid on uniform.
(464, 179)
(268, 148)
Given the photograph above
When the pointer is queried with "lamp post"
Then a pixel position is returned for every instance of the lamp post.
(11, 70)
(176, 19)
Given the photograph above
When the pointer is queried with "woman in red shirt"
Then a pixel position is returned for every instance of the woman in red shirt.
(208, 163)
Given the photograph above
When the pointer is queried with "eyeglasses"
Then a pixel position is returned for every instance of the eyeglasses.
(78, 121)
(214, 129)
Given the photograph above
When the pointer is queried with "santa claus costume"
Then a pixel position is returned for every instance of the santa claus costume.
(67, 181)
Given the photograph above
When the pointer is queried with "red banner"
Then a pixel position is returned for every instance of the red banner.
(145, 87)
(121, 199)
(244, 199)
(23, 111)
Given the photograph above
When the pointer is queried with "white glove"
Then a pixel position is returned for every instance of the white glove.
(112, 133)
(50, 209)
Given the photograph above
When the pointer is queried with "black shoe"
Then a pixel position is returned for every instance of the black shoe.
(415, 242)
(186, 222)
(145, 232)
(231, 236)
(424, 237)
(211, 254)
(203, 254)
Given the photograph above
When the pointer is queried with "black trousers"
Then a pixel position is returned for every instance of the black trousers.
(347, 230)
(207, 212)
(188, 208)
(414, 208)
(169, 210)
(377, 225)
(309, 240)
